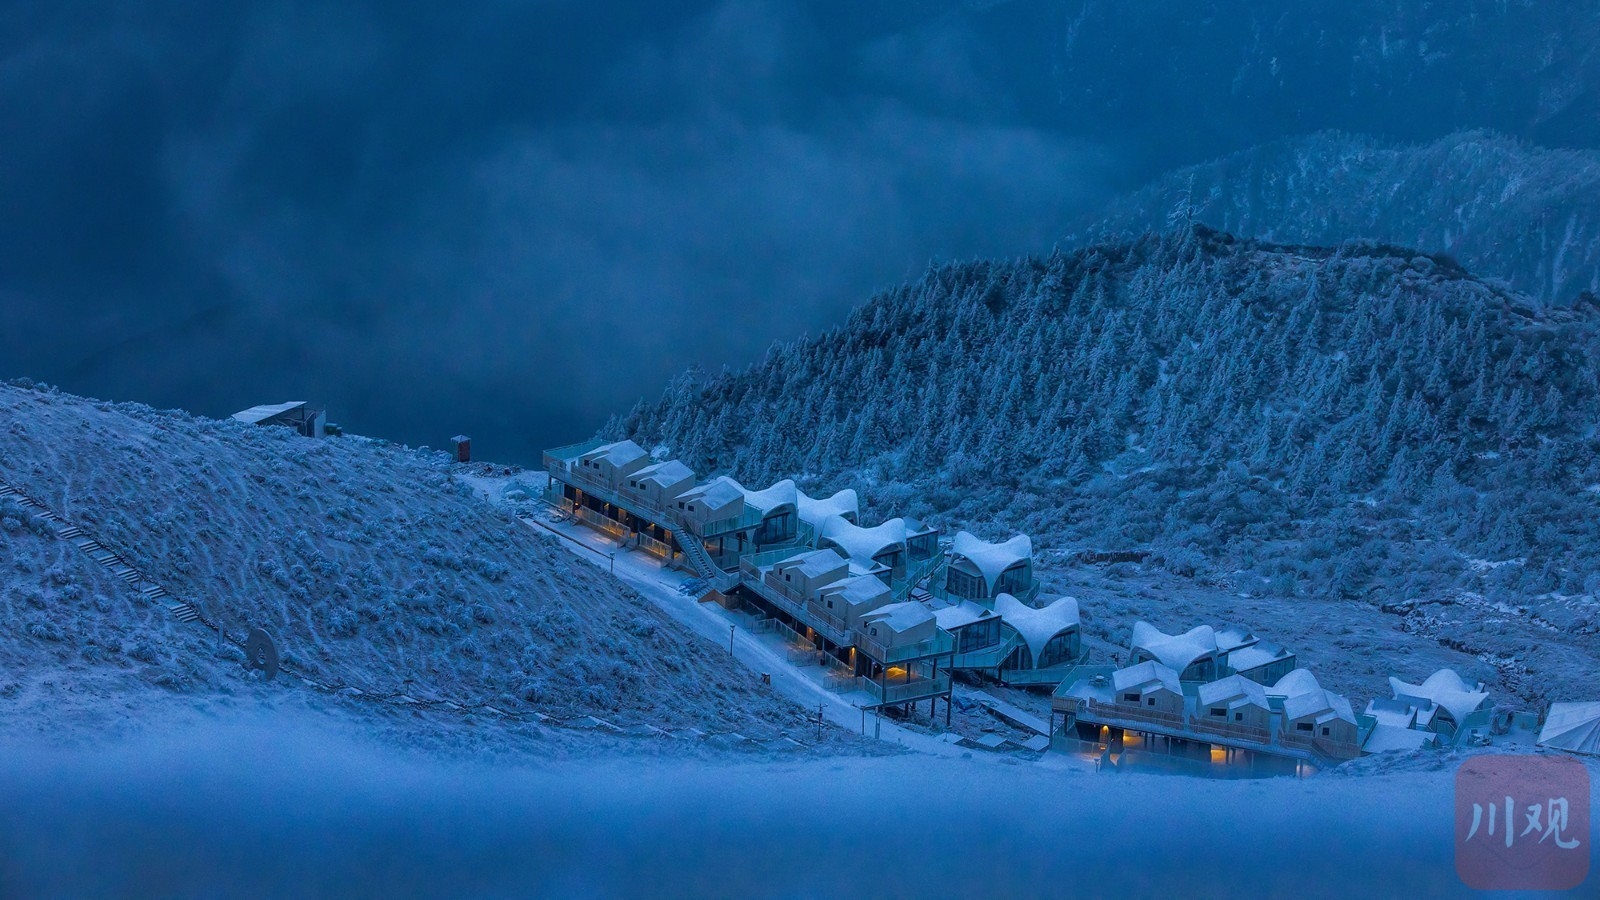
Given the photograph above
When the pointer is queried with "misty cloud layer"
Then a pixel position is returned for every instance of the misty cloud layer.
(253, 810)
(506, 219)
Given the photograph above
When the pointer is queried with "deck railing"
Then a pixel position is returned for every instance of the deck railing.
(989, 657)
(942, 643)
(907, 691)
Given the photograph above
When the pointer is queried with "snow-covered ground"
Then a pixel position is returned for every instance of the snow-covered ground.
(370, 565)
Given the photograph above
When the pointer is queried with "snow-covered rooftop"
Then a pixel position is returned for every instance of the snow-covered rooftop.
(1446, 689)
(1038, 626)
(1572, 726)
(1144, 675)
(1300, 681)
(716, 493)
(618, 453)
(1256, 655)
(814, 564)
(1395, 713)
(1385, 738)
(899, 617)
(864, 543)
(960, 615)
(813, 511)
(257, 414)
(1177, 651)
(781, 494)
(1234, 637)
(1233, 692)
(664, 474)
(992, 559)
(857, 590)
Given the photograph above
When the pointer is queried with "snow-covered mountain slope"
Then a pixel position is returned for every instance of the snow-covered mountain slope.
(1364, 422)
(369, 563)
(1505, 209)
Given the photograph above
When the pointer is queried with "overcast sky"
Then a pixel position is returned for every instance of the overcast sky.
(509, 219)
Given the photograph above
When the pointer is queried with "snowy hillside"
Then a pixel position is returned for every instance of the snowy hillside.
(1506, 210)
(370, 564)
(1365, 423)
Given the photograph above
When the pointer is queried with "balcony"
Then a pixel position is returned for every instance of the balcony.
(941, 644)
(795, 604)
(910, 691)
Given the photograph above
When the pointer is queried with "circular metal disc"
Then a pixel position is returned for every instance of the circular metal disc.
(260, 653)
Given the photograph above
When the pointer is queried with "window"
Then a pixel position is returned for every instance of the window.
(1238, 717)
(1303, 726)
(788, 576)
(964, 584)
(1219, 712)
(873, 631)
(1150, 701)
(691, 507)
(830, 604)
(680, 504)
(1130, 698)
(1324, 731)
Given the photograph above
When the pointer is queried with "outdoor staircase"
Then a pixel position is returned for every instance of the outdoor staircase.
(701, 562)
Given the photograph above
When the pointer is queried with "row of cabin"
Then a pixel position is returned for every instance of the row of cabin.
(1442, 711)
(1295, 714)
(1204, 653)
(979, 593)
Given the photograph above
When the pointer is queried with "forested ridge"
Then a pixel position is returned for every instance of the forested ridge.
(1294, 419)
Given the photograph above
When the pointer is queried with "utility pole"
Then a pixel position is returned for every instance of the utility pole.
(731, 629)
(613, 555)
(819, 722)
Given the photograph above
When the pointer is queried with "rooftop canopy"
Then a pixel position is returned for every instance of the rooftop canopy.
(784, 493)
(1234, 637)
(1572, 726)
(1144, 676)
(1304, 698)
(1256, 655)
(258, 414)
(992, 559)
(1445, 689)
(1178, 651)
(864, 543)
(1385, 738)
(815, 511)
(1038, 626)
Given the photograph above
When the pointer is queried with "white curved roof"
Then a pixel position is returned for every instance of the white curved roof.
(1446, 689)
(1038, 626)
(1299, 681)
(992, 559)
(814, 510)
(863, 543)
(1233, 692)
(1143, 675)
(1175, 650)
(1572, 726)
(784, 492)
(1304, 698)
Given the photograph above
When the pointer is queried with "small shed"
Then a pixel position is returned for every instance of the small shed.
(808, 573)
(297, 414)
(1151, 686)
(463, 445)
